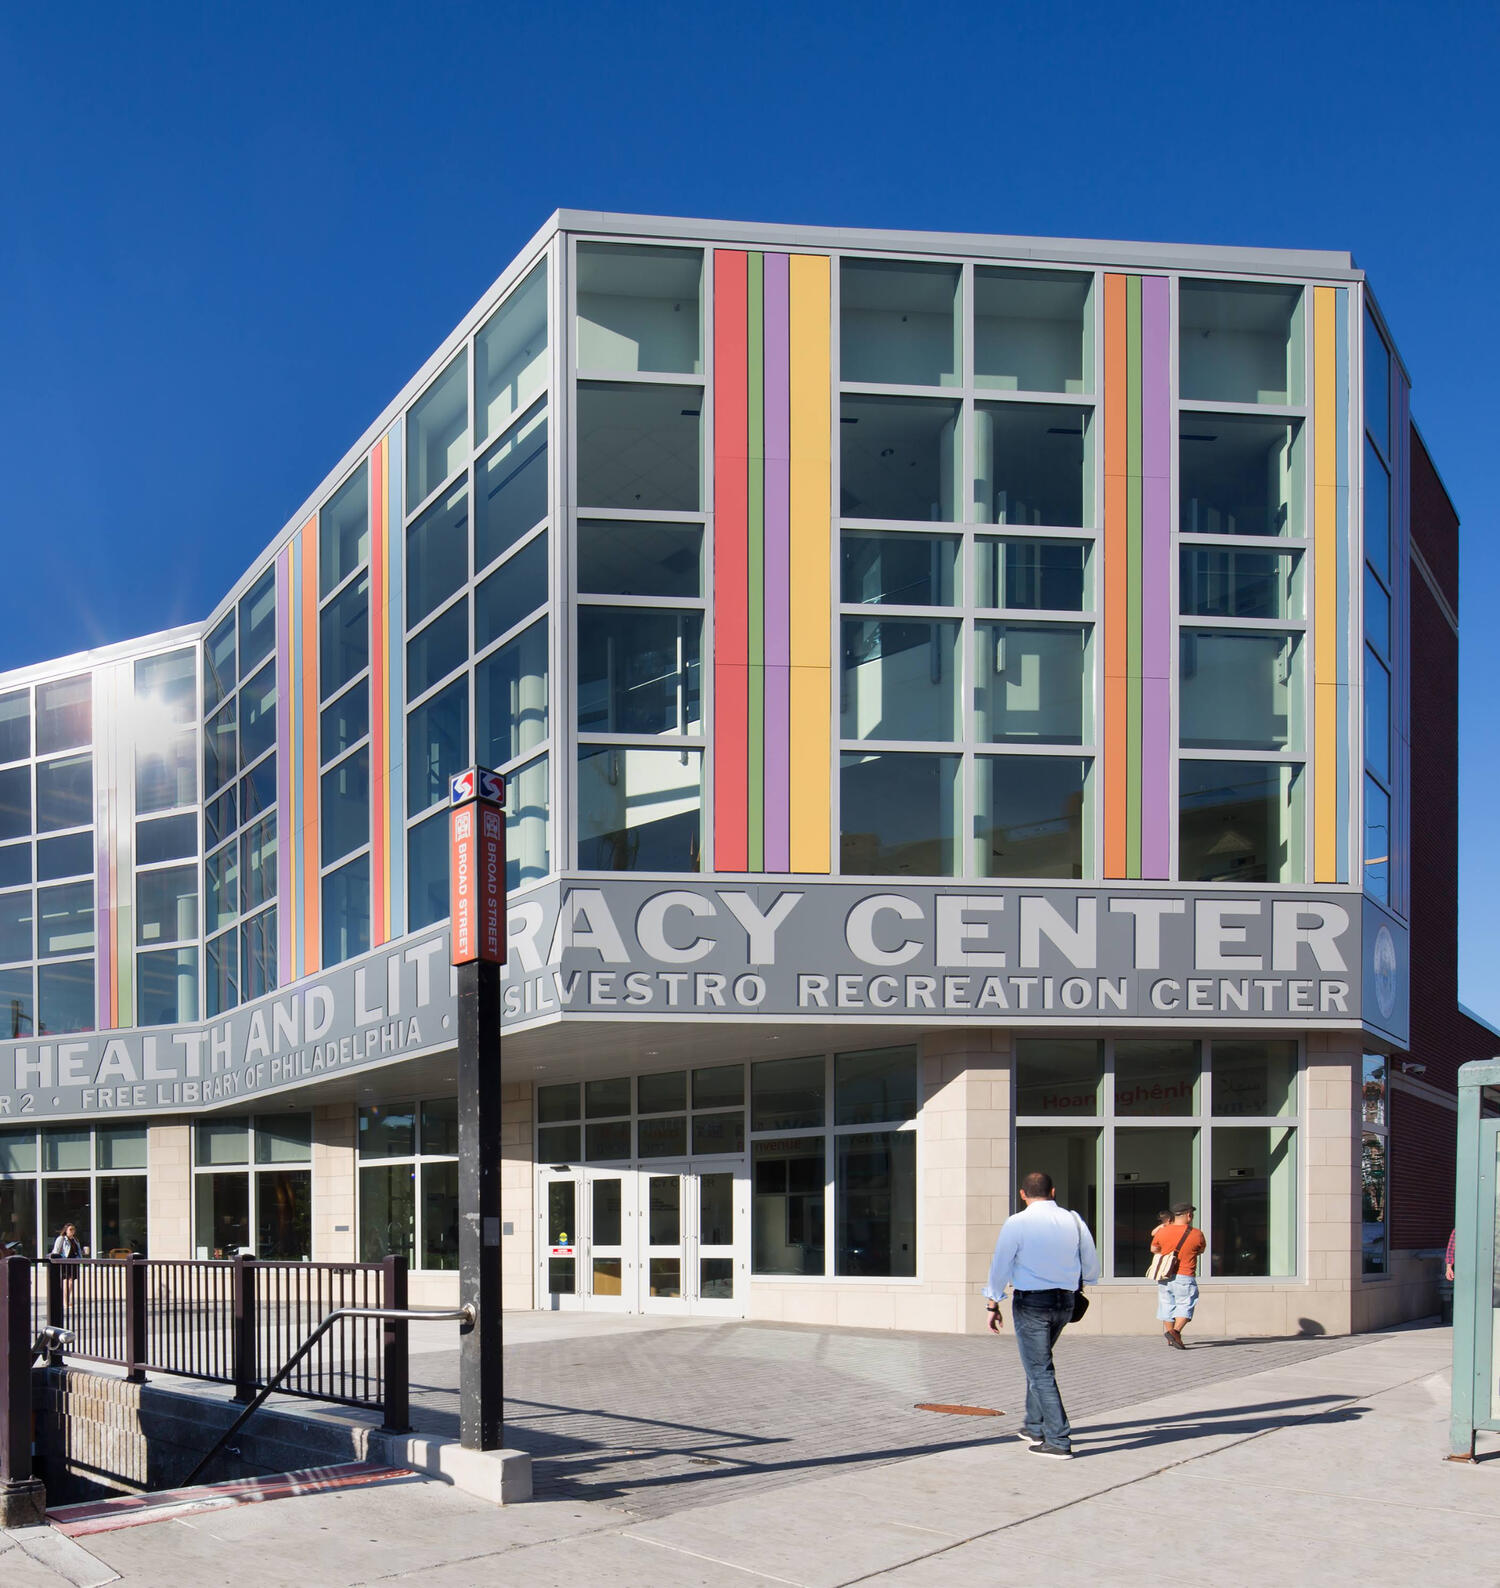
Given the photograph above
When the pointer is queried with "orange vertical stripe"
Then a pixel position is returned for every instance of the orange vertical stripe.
(1116, 572)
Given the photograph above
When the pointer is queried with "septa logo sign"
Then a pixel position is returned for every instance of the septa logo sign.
(477, 783)
(477, 882)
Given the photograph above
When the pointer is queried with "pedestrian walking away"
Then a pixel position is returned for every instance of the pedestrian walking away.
(1448, 1257)
(1174, 1266)
(1046, 1256)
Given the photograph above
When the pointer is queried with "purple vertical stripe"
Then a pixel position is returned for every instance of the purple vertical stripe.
(778, 593)
(106, 937)
(1156, 576)
(285, 970)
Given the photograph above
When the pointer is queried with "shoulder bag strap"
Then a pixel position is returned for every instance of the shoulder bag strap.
(1188, 1230)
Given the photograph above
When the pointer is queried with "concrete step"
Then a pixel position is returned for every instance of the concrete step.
(134, 1510)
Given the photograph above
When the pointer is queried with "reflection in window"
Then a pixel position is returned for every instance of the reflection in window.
(65, 919)
(166, 905)
(1032, 684)
(511, 697)
(1377, 517)
(344, 530)
(435, 651)
(1032, 330)
(510, 355)
(898, 322)
(437, 431)
(1377, 717)
(64, 714)
(1254, 1208)
(344, 636)
(346, 911)
(877, 1203)
(636, 559)
(345, 721)
(1058, 1075)
(895, 568)
(72, 855)
(427, 872)
(1227, 582)
(1154, 1167)
(167, 986)
(169, 838)
(639, 810)
(258, 947)
(258, 863)
(515, 590)
(258, 622)
(1031, 465)
(638, 309)
(437, 744)
(875, 1086)
(1377, 841)
(15, 725)
(1035, 575)
(166, 772)
(219, 672)
(1239, 821)
(788, 1094)
(64, 792)
(1239, 475)
(1157, 1076)
(258, 715)
(638, 670)
(221, 983)
(787, 1178)
(15, 926)
(65, 997)
(639, 447)
(15, 802)
(16, 1007)
(1377, 386)
(900, 458)
(346, 806)
(1239, 690)
(900, 815)
(221, 755)
(1240, 342)
(527, 851)
(900, 679)
(221, 894)
(437, 554)
(1030, 816)
(1254, 1079)
(511, 493)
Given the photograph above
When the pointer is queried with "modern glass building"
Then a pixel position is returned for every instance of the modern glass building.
(956, 700)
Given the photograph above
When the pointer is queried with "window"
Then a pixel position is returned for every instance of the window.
(1168, 1118)
(258, 622)
(511, 697)
(638, 671)
(900, 815)
(1374, 1158)
(639, 447)
(510, 355)
(65, 792)
(344, 531)
(435, 651)
(343, 637)
(1032, 330)
(165, 732)
(1033, 683)
(427, 871)
(1239, 821)
(900, 458)
(166, 986)
(219, 673)
(252, 1187)
(855, 1159)
(1240, 690)
(408, 1183)
(1228, 582)
(437, 744)
(1240, 342)
(638, 309)
(1035, 575)
(437, 554)
(346, 806)
(346, 911)
(437, 431)
(95, 1179)
(1032, 465)
(513, 592)
(511, 489)
(639, 559)
(64, 714)
(345, 721)
(899, 679)
(15, 725)
(1031, 816)
(899, 323)
(1377, 387)
(1240, 474)
(1377, 841)
(638, 809)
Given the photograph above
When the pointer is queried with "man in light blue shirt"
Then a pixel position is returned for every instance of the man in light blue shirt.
(1046, 1255)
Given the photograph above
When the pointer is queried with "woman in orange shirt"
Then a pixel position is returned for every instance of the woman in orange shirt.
(1177, 1296)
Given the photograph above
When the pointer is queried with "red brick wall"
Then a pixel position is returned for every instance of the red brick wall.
(1442, 1037)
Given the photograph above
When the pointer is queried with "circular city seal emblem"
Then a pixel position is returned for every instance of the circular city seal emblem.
(1384, 960)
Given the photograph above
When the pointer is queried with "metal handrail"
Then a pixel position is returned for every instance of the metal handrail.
(464, 1315)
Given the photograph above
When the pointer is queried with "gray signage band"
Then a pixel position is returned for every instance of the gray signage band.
(817, 952)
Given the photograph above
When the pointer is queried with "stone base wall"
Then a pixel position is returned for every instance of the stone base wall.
(99, 1436)
(1408, 1292)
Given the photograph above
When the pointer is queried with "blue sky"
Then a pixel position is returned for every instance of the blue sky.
(228, 235)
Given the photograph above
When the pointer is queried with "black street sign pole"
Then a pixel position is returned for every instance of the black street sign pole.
(478, 933)
(480, 1361)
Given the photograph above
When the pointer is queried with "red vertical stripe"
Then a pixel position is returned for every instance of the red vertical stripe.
(380, 765)
(731, 511)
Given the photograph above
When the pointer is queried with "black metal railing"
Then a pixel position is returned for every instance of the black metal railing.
(239, 1322)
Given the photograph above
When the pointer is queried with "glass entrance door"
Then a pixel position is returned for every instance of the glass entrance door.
(695, 1223)
(586, 1239)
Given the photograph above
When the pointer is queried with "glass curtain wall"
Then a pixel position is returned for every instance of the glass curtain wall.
(1242, 663)
(252, 1187)
(239, 801)
(1128, 1126)
(47, 858)
(93, 1178)
(1379, 609)
(967, 514)
(476, 550)
(639, 443)
(408, 1183)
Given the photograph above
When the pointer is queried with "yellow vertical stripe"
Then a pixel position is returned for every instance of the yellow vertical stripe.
(811, 690)
(1325, 585)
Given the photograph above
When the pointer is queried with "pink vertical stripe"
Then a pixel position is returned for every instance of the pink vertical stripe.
(1156, 576)
(778, 591)
(285, 970)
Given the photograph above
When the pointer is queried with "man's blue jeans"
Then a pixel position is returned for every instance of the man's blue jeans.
(1038, 1317)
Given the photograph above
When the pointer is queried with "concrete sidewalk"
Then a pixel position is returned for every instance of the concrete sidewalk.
(1330, 1466)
